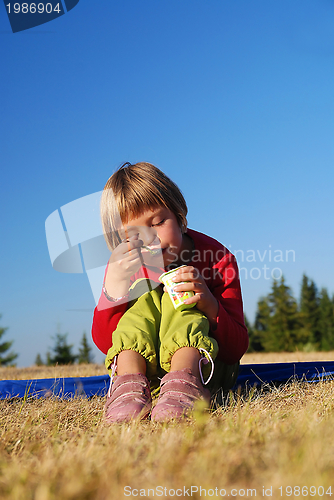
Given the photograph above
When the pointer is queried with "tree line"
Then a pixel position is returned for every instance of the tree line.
(62, 352)
(6, 358)
(283, 323)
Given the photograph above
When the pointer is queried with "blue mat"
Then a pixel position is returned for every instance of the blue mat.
(64, 388)
(249, 375)
(279, 373)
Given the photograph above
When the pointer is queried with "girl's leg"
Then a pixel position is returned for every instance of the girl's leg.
(136, 333)
(130, 362)
(134, 350)
(182, 335)
(186, 357)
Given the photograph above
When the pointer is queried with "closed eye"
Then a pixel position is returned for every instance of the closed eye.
(159, 223)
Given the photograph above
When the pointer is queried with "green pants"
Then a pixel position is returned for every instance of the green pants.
(153, 328)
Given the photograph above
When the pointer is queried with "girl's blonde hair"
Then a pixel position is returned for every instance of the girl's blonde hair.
(132, 190)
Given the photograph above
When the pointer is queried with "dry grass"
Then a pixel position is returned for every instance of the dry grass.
(61, 450)
(36, 372)
(286, 357)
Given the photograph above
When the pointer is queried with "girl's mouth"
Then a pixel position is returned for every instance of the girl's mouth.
(153, 250)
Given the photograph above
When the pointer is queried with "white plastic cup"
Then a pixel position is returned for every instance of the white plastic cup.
(177, 298)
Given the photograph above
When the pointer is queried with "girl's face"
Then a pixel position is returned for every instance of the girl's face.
(157, 228)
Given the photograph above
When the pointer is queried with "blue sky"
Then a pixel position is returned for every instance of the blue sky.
(232, 99)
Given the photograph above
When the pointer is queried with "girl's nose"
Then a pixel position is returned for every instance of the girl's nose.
(148, 235)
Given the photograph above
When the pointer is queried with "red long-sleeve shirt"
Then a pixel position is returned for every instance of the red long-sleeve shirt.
(220, 271)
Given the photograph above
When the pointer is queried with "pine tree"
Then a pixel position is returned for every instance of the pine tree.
(62, 351)
(310, 313)
(281, 329)
(38, 360)
(85, 355)
(285, 325)
(48, 359)
(4, 347)
(326, 321)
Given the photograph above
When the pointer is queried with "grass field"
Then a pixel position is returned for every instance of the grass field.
(277, 443)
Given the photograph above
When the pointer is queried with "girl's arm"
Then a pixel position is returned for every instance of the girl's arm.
(123, 263)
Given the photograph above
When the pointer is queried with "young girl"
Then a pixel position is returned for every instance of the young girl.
(144, 221)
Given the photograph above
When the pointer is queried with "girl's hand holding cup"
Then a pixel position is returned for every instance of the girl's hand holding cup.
(192, 280)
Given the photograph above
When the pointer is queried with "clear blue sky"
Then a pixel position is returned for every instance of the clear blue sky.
(232, 99)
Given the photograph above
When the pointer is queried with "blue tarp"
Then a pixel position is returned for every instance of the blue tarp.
(279, 373)
(249, 375)
(65, 388)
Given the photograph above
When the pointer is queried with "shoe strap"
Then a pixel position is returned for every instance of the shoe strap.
(113, 371)
(204, 360)
(130, 388)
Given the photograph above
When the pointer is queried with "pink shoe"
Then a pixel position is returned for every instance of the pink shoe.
(179, 391)
(130, 399)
